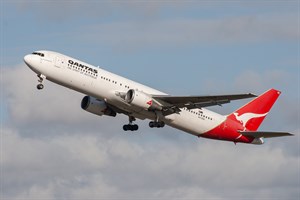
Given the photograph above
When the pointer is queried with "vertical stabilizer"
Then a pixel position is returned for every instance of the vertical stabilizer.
(253, 113)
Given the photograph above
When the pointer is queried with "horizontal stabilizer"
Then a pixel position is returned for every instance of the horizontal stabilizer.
(259, 134)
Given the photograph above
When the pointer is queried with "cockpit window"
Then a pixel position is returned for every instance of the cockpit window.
(39, 54)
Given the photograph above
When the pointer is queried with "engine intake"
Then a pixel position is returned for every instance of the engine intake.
(141, 100)
(97, 107)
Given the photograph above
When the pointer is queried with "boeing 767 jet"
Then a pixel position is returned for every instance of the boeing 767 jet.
(110, 94)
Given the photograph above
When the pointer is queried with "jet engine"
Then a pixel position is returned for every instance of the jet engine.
(95, 106)
(258, 141)
(141, 100)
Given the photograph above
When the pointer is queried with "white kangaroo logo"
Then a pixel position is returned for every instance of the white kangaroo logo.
(244, 118)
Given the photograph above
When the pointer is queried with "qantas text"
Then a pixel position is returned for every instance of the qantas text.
(84, 67)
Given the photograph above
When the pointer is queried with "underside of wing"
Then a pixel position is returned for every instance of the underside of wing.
(259, 134)
(191, 102)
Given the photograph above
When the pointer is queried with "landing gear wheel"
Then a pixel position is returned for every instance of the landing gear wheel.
(40, 86)
(130, 127)
(160, 124)
(41, 78)
(153, 124)
(157, 122)
(135, 127)
(125, 127)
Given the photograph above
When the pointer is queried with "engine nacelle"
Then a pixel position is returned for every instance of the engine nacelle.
(141, 100)
(95, 106)
(258, 141)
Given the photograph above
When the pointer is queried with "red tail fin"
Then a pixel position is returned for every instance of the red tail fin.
(252, 114)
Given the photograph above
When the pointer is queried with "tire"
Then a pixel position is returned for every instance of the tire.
(135, 127)
(151, 124)
(40, 86)
(161, 124)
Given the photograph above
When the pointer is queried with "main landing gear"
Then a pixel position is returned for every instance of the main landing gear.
(156, 123)
(131, 126)
(41, 78)
(134, 127)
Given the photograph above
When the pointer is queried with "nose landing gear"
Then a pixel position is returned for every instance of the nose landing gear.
(41, 78)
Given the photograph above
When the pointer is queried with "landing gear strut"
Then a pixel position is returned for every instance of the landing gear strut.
(156, 123)
(41, 78)
(131, 126)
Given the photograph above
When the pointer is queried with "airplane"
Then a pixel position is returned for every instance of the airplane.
(109, 94)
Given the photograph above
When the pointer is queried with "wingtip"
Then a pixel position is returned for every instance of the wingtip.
(252, 95)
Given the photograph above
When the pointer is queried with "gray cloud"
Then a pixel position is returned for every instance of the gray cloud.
(181, 32)
(257, 80)
(134, 8)
(90, 167)
(29, 107)
(139, 24)
(21, 94)
(100, 9)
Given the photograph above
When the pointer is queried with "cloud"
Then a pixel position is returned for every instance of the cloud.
(182, 32)
(131, 8)
(98, 9)
(257, 80)
(139, 24)
(87, 166)
(28, 106)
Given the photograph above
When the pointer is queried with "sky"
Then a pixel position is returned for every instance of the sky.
(52, 149)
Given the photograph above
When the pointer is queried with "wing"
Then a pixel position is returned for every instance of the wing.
(259, 134)
(171, 104)
(191, 102)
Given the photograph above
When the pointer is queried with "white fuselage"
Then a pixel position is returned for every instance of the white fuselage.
(104, 85)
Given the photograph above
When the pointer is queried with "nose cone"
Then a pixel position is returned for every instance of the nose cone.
(32, 61)
(27, 60)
